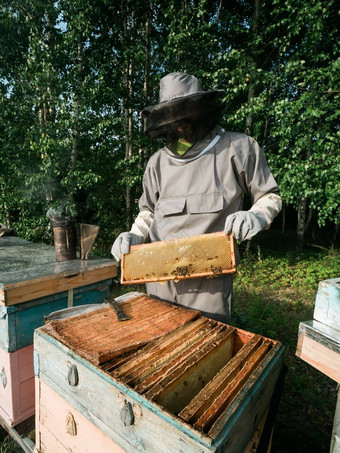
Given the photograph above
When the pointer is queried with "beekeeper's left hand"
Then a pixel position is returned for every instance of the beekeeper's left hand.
(245, 224)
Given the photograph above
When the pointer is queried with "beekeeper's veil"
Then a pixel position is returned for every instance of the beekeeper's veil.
(182, 100)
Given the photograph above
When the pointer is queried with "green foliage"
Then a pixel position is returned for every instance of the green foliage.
(295, 269)
(75, 75)
(8, 445)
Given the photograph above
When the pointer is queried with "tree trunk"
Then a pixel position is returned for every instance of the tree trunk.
(266, 124)
(128, 123)
(336, 229)
(148, 23)
(5, 208)
(219, 11)
(304, 218)
(251, 90)
(283, 226)
(304, 214)
(75, 139)
(46, 110)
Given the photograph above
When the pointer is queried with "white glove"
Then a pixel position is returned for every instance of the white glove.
(123, 243)
(245, 224)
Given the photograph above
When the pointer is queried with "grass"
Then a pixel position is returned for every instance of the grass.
(275, 288)
(8, 445)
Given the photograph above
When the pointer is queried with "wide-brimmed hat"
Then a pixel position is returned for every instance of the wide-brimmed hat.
(181, 97)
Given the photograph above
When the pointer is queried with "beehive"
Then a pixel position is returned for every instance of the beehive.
(319, 339)
(90, 334)
(198, 386)
(32, 285)
(327, 303)
(17, 385)
(207, 255)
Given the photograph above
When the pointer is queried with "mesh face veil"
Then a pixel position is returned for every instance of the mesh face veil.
(187, 112)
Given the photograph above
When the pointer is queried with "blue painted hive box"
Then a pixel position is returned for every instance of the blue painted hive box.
(18, 322)
(166, 380)
(33, 284)
(327, 303)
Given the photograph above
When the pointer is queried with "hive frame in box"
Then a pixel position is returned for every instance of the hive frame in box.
(151, 422)
(182, 270)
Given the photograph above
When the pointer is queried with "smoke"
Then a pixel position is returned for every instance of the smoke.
(58, 217)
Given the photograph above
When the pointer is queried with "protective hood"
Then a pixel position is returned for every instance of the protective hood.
(182, 99)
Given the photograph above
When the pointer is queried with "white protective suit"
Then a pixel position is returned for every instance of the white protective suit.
(194, 194)
(201, 191)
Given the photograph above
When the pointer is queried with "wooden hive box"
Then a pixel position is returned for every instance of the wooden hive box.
(60, 427)
(327, 303)
(29, 271)
(319, 339)
(18, 322)
(200, 386)
(32, 285)
(319, 345)
(319, 342)
(16, 385)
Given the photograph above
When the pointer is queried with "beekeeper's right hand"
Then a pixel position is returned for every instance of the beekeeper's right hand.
(123, 243)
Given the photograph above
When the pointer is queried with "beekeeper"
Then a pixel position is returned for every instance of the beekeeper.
(195, 185)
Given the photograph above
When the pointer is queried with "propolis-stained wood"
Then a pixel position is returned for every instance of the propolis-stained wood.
(223, 378)
(229, 393)
(179, 385)
(207, 255)
(160, 352)
(99, 336)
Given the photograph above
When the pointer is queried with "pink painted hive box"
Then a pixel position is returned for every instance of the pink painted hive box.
(17, 385)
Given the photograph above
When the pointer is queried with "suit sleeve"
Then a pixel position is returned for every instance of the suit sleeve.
(147, 202)
(257, 178)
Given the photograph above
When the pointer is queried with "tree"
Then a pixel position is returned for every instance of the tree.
(75, 75)
(305, 117)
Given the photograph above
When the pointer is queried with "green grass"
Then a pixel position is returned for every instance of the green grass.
(8, 445)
